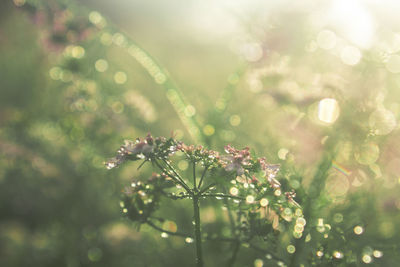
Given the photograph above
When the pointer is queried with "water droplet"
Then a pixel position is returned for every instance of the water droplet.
(277, 192)
(252, 51)
(337, 254)
(291, 249)
(328, 110)
(208, 130)
(282, 153)
(183, 165)
(250, 199)
(367, 153)
(101, 65)
(110, 165)
(377, 253)
(326, 39)
(393, 64)
(164, 235)
(308, 238)
(338, 217)
(120, 77)
(234, 191)
(189, 240)
(140, 156)
(258, 263)
(367, 259)
(358, 230)
(382, 121)
(264, 202)
(299, 228)
(350, 55)
(95, 254)
(234, 120)
(301, 221)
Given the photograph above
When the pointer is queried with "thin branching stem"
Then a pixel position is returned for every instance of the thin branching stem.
(175, 196)
(154, 226)
(194, 176)
(222, 196)
(202, 176)
(176, 173)
(179, 181)
(207, 187)
(236, 247)
(263, 250)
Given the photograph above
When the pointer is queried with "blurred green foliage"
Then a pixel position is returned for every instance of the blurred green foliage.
(73, 85)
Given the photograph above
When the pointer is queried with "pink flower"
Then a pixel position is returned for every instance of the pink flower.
(270, 171)
(141, 149)
(236, 159)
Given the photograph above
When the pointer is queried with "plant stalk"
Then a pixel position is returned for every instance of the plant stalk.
(197, 231)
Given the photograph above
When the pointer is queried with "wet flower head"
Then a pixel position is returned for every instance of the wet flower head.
(270, 172)
(236, 159)
(142, 148)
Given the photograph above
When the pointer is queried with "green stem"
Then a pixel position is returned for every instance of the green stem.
(176, 173)
(152, 225)
(220, 195)
(197, 231)
(236, 248)
(177, 178)
(202, 176)
(207, 187)
(194, 175)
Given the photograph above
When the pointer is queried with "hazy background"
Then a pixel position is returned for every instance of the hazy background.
(282, 77)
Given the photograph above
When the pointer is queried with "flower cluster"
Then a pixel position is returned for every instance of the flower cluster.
(237, 176)
(206, 157)
(270, 172)
(146, 148)
(141, 199)
(236, 160)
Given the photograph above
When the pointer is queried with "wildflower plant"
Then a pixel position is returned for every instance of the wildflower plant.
(256, 203)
